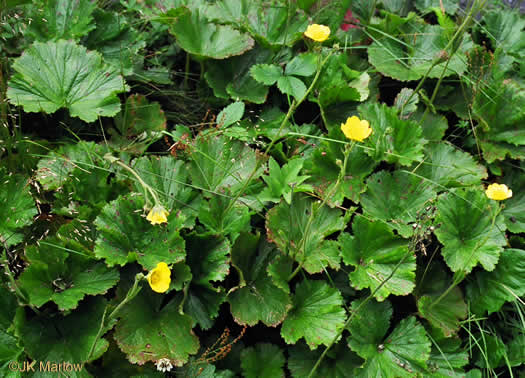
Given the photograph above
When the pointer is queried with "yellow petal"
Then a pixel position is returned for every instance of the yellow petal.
(498, 192)
(158, 215)
(356, 129)
(160, 278)
(317, 32)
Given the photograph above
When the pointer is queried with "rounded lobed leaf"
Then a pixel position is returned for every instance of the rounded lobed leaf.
(376, 254)
(205, 39)
(287, 228)
(393, 140)
(317, 314)
(470, 229)
(262, 361)
(257, 298)
(397, 197)
(16, 206)
(125, 235)
(53, 75)
(147, 332)
(488, 291)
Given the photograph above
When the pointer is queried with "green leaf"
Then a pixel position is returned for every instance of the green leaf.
(125, 235)
(376, 252)
(402, 354)
(292, 86)
(232, 78)
(338, 94)
(369, 326)
(396, 198)
(80, 179)
(114, 363)
(407, 58)
(262, 361)
(504, 28)
(17, 207)
(286, 226)
(257, 298)
(448, 166)
(209, 261)
(488, 291)
(9, 349)
(392, 140)
(447, 358)
(62, 74)
(500, 109)
(9, 304)
(59, 166)
(280, 269)
(443, 309)
(272, 25)
(169, 178)
(66, 338)
(139, 125)
(468, 232)
(514, 210)
(302, 65)
(117, 41)
(341, 362)
(324, 171)
(230, 114)
(515, 350)
(61, 19)
(401, 102)
(282, 181)
(266, 74)
(317, 314)
(204, 39)
(433, 125)
(140, 116)
(335, 71)
(490, 353)
(450, 6)
(221, 163)
(62, 275)
(147, 331)
(217, 215)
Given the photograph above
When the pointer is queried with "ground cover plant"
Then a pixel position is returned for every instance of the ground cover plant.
(222, 188)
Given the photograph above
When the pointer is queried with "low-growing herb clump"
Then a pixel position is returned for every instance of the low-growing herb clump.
(264, 188)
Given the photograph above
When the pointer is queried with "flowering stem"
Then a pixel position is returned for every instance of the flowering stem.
(132, 292)
(340, 177)
(115, 160)
(461, 274)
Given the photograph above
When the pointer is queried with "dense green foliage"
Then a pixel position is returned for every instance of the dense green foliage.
(207, 135)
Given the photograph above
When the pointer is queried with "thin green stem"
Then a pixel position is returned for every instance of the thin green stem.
(302, 243)
(132, 292)
(129, 169)
(129, 296)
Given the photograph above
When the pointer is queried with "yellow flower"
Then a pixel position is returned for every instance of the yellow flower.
(158, 215)
(356, 129)
(160, 278)
(498, 192)
(317, 32)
